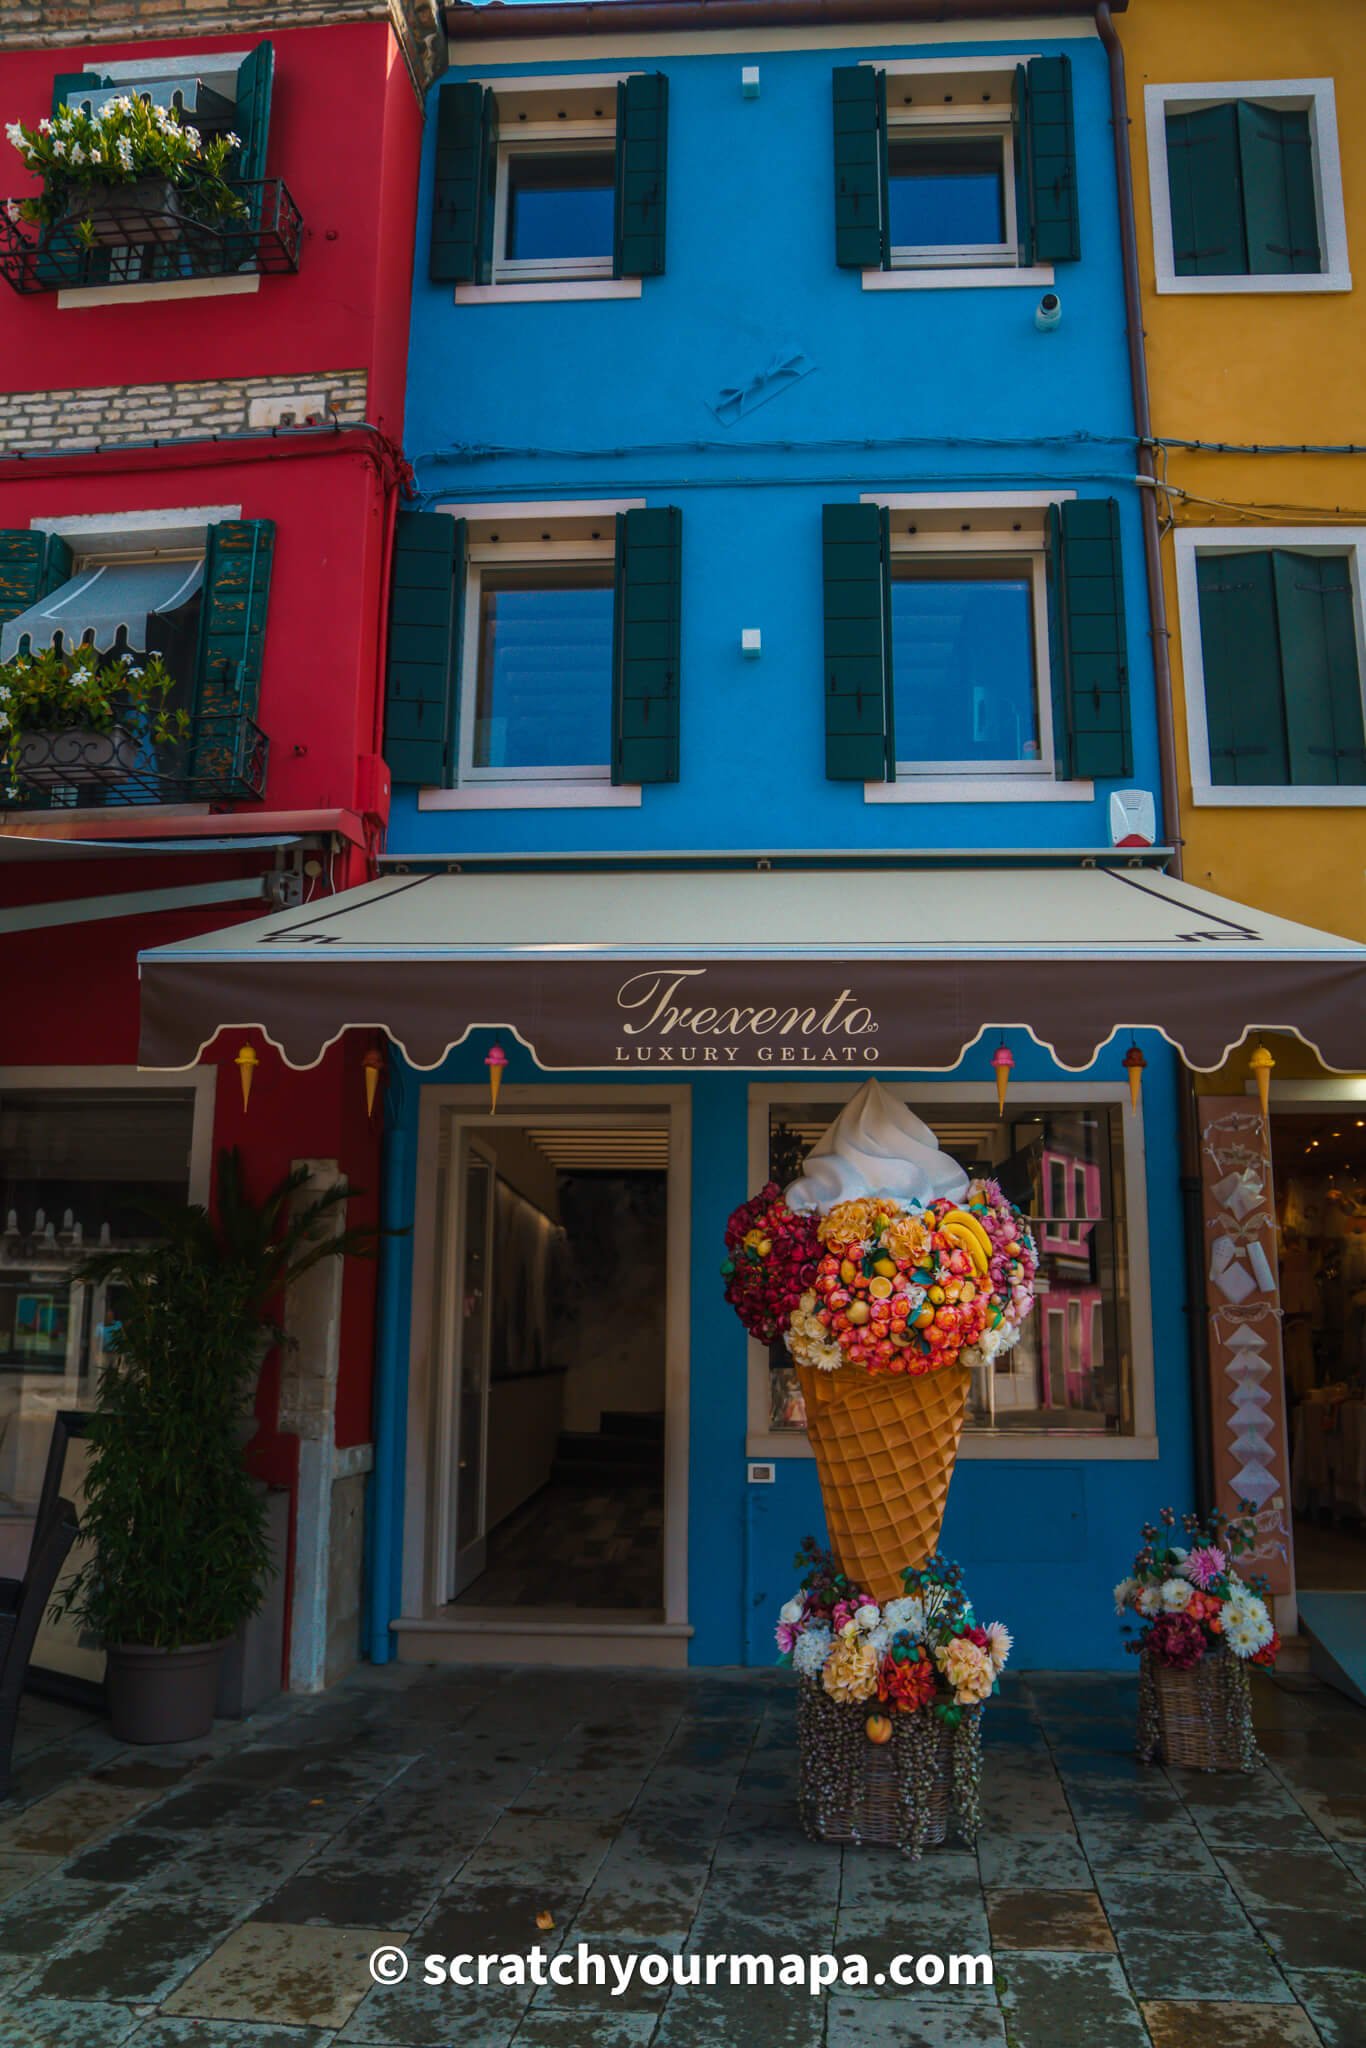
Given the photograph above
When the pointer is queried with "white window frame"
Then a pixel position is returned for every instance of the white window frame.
(1191, 543)
(971, 267)
(1312, 95)
(970, 124)
(561, 554)
(1019, 1447)
(543, 139)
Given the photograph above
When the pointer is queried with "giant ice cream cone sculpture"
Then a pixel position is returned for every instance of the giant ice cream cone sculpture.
(888, 1277)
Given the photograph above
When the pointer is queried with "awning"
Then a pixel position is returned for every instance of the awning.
(752, 969)
(116, 597)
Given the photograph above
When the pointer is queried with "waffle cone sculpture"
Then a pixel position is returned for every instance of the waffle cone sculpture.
(885, 1446)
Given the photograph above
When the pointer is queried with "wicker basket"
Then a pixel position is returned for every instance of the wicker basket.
(1200, 1719)
(885, 1446)
(857, 1791)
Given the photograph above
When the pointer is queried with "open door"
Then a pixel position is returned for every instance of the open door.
(469, 1329)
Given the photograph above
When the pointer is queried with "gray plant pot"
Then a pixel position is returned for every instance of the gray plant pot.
(162, 1695)
(147, 210)
(52, 760)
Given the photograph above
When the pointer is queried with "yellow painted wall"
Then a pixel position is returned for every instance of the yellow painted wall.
(1261, 367)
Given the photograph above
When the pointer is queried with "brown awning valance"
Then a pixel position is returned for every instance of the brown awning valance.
(752, 969)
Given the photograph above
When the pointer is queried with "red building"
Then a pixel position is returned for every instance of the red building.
(199, 456)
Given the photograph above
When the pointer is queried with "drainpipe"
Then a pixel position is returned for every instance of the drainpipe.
(1193, 1221)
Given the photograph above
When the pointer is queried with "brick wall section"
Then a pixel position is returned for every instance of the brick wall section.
(43, 24)
(47, 422)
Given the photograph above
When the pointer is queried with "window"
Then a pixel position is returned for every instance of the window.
(550, 187)
(534, 654)
(975, 637)
(1072, 1374)
(539, 686)
(1272, 637)
(955, 169)
(78, 1171)
(966, 663)
(1247, 189)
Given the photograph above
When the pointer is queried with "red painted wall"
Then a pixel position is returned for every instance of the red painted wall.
(345, 135)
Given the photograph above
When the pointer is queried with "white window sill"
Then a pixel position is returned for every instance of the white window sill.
(146, 294)
(981, 789)
(1019, 1448)
(533, 796)
(925, 280)
(1302, 798)
(1327, 281)
(561, 290)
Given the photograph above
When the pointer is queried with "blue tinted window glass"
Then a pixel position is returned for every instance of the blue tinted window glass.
(544, 696)
(560, 206)
(963, 666)
(946, 192)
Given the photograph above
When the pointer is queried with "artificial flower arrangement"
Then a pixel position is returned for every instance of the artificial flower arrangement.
(65, 690)
(76, 153)
(908, 1676)
(1199, 1626)
(1190, 1601)
(886, 1286)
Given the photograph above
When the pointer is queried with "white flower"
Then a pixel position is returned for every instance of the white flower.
(867, 1616)
(1124, 1593)
(1000, 1643)
(793, 1610)
(906, 1613)
(15, 134)
(1241, 1636)
(233, 141)
(1149, 1600)
(1176, 1595)
(1246, 1615)
(811, 1650)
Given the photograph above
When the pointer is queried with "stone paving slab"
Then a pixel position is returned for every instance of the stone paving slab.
(227, 1894)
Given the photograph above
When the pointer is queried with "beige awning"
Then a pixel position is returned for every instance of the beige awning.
(848, 966)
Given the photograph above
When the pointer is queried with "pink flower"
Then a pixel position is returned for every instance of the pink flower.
(787, 1633)
(1204, 1566)
(1176, 1641)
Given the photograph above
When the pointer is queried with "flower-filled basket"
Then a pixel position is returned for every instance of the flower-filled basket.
(889, 1704)
(889, 1276)
(127, 173)
(1197, 1628)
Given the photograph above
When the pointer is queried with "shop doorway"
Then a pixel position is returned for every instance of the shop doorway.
(558, 1379)
(1319, 1160)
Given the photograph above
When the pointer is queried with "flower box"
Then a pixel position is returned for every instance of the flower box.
(116, 216)
(1200, 1719)
(56, 760)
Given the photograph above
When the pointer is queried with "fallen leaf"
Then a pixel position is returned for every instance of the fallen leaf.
(545, 1921)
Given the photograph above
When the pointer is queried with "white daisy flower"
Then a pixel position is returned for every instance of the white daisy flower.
(1150, 1600)
(1000, 1643)
(1176, 1595)
(1124, 1593)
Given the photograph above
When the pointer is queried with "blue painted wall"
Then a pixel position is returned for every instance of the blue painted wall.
(910, 391)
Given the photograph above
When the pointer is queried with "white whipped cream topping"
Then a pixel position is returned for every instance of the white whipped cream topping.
(876, 1146)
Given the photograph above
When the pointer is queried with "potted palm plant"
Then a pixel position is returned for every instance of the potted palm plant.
(73, 716)
(175, 1525)
(126, 173)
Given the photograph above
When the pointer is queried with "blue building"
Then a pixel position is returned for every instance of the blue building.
(770, 702)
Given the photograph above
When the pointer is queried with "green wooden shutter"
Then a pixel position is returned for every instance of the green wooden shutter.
(1024, 205)
(232, 623)
(462, 193)
(1204, 176)
(1090, 599)
(642, 174)
(1320, 669)
(251, 121)
(426, 611)
(1276, 167)
(69, 85)
(860, 740)
(860, 101)
(31, 565)
(647, 645)
(1048, 152)
(1240, 655)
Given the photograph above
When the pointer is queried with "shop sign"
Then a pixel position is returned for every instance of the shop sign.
(672, 1017)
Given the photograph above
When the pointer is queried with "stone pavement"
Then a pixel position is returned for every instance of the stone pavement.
(228, 1896)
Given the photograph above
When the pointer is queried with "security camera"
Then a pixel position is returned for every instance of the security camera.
(1048, 312)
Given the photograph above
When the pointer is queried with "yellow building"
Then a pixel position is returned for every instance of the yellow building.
(1248, 140)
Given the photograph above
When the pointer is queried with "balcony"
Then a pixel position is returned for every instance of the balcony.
(161, 245)
(221, 760)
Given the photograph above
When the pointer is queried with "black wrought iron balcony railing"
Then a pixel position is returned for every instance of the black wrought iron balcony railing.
(144, 238)
(222, 759)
